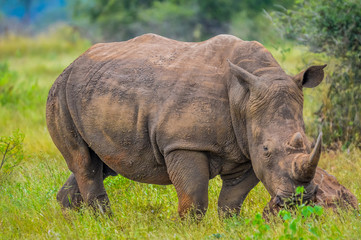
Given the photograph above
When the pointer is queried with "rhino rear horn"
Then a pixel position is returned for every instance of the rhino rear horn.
(304, 167)
(297, 140)
(242, 75)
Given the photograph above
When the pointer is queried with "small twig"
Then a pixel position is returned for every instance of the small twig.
(4, 155)
(11, 155)
(14, 146)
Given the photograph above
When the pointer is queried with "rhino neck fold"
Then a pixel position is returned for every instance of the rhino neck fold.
(238, 97)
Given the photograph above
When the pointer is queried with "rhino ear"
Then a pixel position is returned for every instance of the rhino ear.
(242, 75)
(311, 77)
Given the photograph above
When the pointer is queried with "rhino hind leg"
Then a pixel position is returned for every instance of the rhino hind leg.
(189, 173)
(87, 177)
(87, 168)
(85, 184)
(234, 191)
(69, 195)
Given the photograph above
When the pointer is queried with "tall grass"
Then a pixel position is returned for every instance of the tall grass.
(142, 211)
(28, 207)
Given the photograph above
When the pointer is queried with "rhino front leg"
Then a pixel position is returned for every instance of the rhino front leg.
(189, 173)
(234, 192)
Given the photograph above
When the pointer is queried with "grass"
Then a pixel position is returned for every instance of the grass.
(28, 207)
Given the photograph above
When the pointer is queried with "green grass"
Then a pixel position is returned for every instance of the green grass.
(28, 206)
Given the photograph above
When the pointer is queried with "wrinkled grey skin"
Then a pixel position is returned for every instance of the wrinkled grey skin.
(160, 111)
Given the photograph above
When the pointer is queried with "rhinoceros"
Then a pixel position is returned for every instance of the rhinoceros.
(161, 111)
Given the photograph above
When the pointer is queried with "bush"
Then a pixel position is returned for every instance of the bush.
(11, 153)
(332, 27)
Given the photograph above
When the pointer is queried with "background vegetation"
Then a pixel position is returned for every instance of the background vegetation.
(33, 171)
(188, 20)
(334, 28)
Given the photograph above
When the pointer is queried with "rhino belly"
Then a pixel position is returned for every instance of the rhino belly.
(130, 160)
(138, 167)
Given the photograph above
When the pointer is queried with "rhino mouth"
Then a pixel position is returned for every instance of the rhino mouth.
(284, 198)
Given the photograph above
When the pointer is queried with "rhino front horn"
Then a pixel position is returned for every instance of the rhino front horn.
(304, 166)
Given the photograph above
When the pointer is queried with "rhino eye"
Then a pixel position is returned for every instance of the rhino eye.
(266, 151)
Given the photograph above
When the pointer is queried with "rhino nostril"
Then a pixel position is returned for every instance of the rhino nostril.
(316, 190)
(279, 201)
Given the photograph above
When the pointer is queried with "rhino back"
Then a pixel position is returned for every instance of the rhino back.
(134, 102)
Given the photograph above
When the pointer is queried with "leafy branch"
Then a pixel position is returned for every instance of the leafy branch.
(11, 149)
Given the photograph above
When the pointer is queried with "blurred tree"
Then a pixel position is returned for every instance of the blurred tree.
(333, 27)
(168, 19)
(110, 18)
(182, 19)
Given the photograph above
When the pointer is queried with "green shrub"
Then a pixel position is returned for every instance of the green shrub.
(300, 221)
(11, 153)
